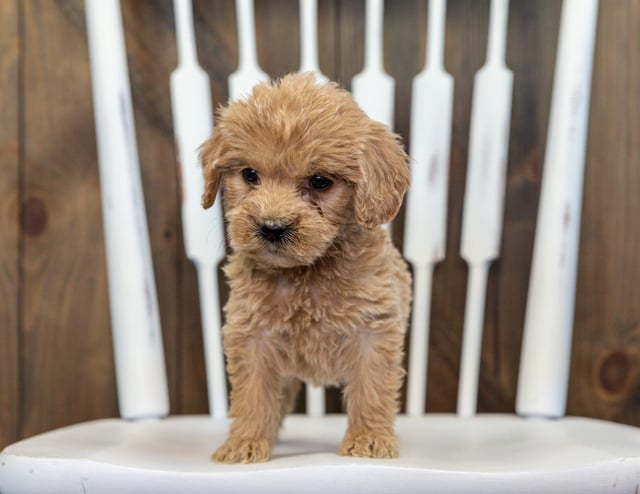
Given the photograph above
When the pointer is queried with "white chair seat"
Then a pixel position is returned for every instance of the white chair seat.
(439, 453)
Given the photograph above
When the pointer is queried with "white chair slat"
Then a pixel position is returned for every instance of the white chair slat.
(203, 230)
(544, 365)
(425, 230)
(309, 61)
(249, 72)
(137, 338)
(372, 88)
(484, 194)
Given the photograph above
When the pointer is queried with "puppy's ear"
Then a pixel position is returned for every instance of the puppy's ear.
(209, 156)
(384, 170)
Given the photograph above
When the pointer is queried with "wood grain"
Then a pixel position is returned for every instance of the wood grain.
(65, 343)
(9, 232)
(55, 345)
(605, 372)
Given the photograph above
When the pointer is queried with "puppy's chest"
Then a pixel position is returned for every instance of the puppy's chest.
(297, 306)
(311, 324)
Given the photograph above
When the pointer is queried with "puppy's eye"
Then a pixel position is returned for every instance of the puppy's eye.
(250, 176)
(319, 183)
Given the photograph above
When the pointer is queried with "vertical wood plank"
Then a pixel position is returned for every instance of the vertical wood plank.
(67, 359)
(9, 233)
(605, 372)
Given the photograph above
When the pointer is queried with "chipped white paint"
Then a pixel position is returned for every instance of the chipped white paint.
(203, 230)
(135, 321)
(426, 214)
(546, 348)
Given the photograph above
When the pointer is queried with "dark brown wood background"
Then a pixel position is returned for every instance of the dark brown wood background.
(55, 346)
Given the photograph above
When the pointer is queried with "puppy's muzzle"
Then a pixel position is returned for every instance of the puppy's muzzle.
(273, 232)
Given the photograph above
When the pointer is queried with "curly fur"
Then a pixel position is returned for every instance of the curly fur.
(329, 303)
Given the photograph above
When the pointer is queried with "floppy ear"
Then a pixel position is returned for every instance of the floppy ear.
(384, 177)
(210, 153)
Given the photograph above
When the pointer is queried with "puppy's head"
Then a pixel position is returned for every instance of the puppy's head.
(298, 162)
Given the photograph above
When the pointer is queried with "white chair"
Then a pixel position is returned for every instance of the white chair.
(538, 450)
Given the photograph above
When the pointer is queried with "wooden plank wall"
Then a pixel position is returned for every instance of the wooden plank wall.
(9, 230)
(55, 347)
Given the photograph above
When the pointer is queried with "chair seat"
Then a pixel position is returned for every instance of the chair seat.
(439, 453)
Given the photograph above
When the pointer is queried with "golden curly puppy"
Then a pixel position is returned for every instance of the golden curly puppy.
(318, 292)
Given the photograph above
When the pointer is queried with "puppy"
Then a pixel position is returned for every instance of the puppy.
(318, 292)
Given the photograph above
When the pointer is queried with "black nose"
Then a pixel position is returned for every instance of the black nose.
(273, 233)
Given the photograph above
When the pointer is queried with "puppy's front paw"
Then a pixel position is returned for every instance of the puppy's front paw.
(369, 445)
(243, 451)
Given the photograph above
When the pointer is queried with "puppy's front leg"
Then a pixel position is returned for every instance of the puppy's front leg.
(371, 396)
(255, 399)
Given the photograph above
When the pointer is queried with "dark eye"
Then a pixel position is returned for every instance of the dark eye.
(319, 183)
(250, 176)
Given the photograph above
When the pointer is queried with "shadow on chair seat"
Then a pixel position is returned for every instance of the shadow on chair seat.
(439, 453)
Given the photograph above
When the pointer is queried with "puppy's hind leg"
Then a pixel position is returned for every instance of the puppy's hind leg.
(290, 389)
